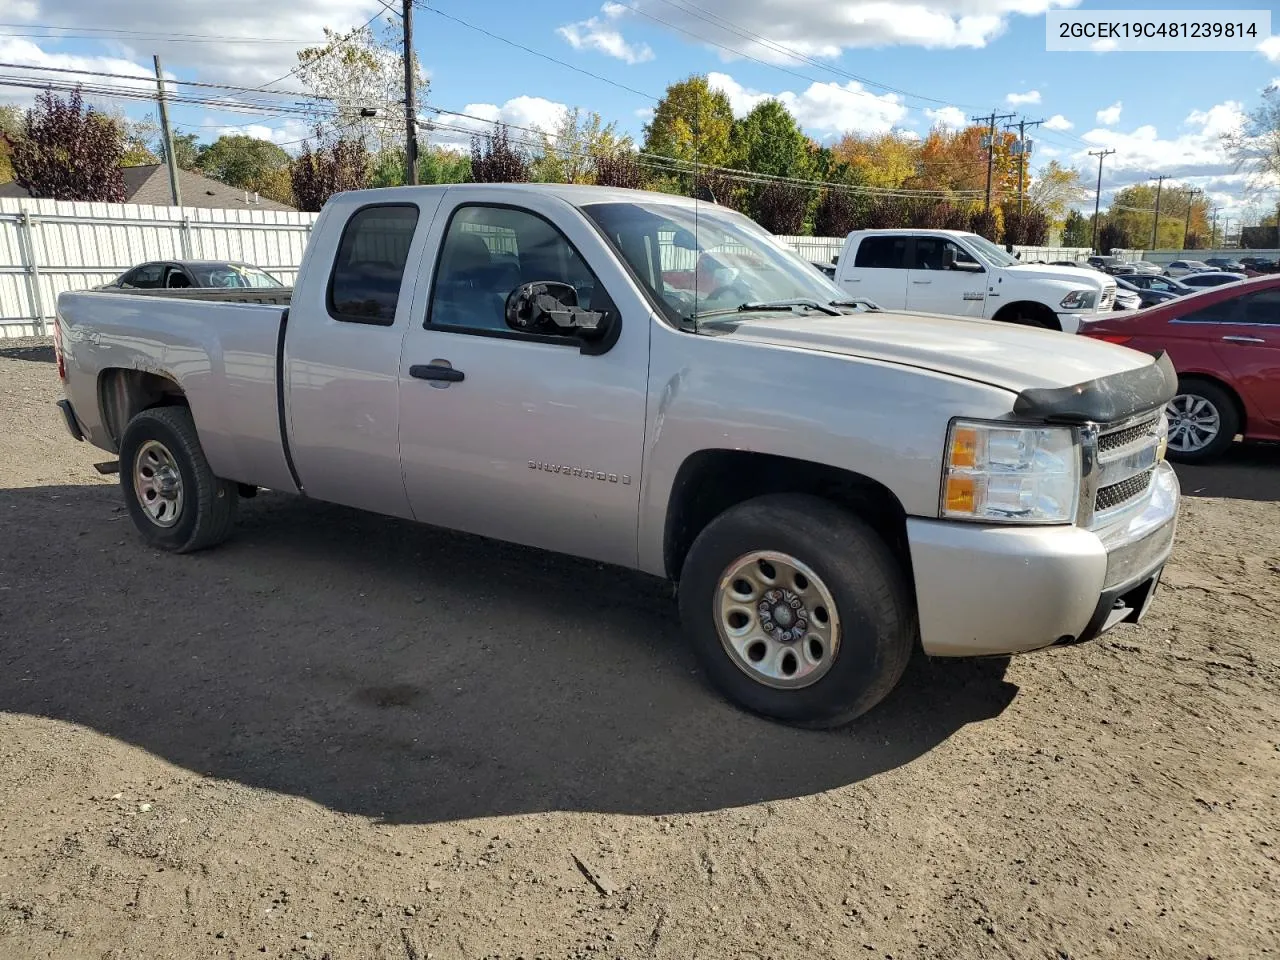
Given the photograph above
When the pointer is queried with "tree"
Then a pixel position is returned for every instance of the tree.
(568, 155)
(275, 185)
(1055, 189)
(354, 72)
(186, 150)
(883, 160)
(238, 160)
(1113, 235)
(691, 121)
(437, 165)
(1076, 230)
(10, 127)
(65, 151)
(837, 212)
(619, 169)
(986, 223)
(1255, 145)
(495, 160)
(768, 140)
(780, 207)
(320, 172)
(1133, 208)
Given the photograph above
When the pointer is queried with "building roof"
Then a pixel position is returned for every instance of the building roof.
(150, 184)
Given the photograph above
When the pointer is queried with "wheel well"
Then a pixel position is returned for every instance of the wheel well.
(122, 393)
(712, 481)
(1225, 388)
(1028, 308)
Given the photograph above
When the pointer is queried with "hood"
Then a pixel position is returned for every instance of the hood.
(1083, 276)
(1004, 355)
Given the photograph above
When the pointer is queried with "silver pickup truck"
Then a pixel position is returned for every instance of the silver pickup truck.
(658, 384)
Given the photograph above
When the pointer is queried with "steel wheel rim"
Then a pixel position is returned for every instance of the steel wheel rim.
(777, 620)
(157, 481)
(1194, 423)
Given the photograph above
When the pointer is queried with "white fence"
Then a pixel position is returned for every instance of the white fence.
(48, 247)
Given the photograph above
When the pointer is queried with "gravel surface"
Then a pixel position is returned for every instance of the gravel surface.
(344, 736)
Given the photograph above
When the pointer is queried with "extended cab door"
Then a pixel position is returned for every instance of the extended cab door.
(514, 435)
(878, 270)
(945, 278)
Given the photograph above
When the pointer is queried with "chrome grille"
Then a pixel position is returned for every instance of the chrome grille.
(1125, 435)
(1121, 493)
(1108, 298)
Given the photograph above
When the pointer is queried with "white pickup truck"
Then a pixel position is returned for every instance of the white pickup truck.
(965, 275)
(659, 384)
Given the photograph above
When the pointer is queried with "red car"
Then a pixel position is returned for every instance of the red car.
(1225, 345)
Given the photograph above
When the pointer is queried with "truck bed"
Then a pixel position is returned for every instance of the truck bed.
(223, 356)
(281, 296)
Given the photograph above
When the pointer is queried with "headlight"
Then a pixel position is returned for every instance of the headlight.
(1080, 299)
(1008, 474)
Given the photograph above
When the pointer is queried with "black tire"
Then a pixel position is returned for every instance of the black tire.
(1228, 420)
(875, 612)
(1024, 315)
(208, 510)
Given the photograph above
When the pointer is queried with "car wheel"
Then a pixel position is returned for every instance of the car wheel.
(797, 610)
(1203, 421)
(175, 501)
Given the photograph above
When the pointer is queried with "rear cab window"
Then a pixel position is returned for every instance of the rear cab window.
(886, 252)
(368, 270)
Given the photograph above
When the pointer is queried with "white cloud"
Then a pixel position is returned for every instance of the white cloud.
(288, 134)
(1016, 99)
(824, 109)
(525, 115)
(239, 59)
(1270, 48)
(602, 36)
(644, 113)
(1111, 115)
(1058, 122)
(952, 118)
(825, 29)
(18, 50)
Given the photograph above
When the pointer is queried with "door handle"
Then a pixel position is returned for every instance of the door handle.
(437, 370)
(852, 280)
(922, 281)
(1244, 339)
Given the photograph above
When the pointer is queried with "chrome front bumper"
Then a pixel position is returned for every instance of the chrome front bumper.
(984, 590)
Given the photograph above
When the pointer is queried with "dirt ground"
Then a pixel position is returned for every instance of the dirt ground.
(350, 737)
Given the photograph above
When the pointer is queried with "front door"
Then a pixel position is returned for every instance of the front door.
(1250, 347)
(525, 437)
(945, 278)
(879, 271)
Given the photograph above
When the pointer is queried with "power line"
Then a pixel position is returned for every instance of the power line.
(991, 145)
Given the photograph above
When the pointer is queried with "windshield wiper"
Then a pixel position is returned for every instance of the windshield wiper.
(856, 302)
(769, 306)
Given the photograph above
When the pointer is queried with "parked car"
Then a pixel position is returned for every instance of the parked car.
(1180, 268)
(1225, 345)
(1215, 278)
(1145, 267)
(1260, 264)
(1225, 263)
(971, 487)
(201, 274)
(1114, 266)
(963, 274)
(1159, 284)
(1129, 296)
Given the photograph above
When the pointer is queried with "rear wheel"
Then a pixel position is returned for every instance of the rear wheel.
(1203, 421)
(797, 610)
(175, 501)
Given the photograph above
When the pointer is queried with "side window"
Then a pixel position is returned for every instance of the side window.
(369, 267)
(489, 251)
(146, 277)
(176, 278)
(1261, 307)
(1224, 311)
(931, 254)
(883, 253)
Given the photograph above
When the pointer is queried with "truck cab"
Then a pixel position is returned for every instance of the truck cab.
(961, 274)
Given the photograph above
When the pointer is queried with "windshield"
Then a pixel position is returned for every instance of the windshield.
(993, 256)
(714, 261)
(233, 275)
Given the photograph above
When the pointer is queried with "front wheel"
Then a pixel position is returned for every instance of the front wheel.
(175, 501)
(1203, 421)
(797, 610)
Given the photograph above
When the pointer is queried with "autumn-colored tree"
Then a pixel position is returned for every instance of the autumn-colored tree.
(882, 160)
(275, 185)
(986, 223)
(568, 154)
(838, 213)
(780, 207)
(10, 127)
(65, 151)
(495, 160)
(691, 122)
(320, 172)
(1054, 189)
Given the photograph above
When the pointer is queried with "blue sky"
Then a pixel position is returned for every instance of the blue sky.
(920, 63)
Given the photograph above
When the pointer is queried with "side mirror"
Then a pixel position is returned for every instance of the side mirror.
(547, 306)
(948, 258)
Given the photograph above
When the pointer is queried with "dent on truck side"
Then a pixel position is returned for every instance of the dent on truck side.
(882, 421)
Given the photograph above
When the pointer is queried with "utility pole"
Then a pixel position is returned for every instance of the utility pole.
(1155, 226)
(1213, 232)
(1023, 148)
(1097, 197)
(410, 98)
(991, 144)
(1186, 231)
(1226, 230)
(170, 160)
